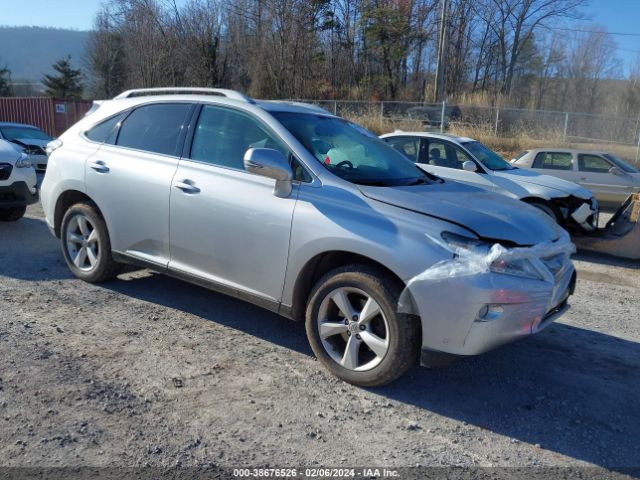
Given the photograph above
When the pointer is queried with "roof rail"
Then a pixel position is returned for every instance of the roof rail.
(223, 92)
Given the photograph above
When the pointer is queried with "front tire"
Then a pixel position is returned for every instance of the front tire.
(85, 244)
(12, 214)
(355, 329)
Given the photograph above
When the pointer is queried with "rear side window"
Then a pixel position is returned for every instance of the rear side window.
(106, 131)
(409, 146)
(154, 128)
(593, 163)
(554, 161)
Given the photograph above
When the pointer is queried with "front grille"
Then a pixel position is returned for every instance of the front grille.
(5, 170)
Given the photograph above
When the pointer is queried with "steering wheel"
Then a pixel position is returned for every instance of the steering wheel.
(345, 163)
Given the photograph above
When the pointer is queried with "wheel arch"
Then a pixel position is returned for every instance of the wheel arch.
(65, 200)
(322, 263)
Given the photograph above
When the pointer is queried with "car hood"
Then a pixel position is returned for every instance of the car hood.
(488, 215)
(8, 152)
(524, 177)
(30, 142)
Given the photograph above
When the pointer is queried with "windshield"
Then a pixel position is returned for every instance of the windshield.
(487, 157)
(17, 133)
(621, 164)
(350, 151)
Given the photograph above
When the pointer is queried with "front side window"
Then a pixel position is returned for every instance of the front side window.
(223, 135)
(554, 161)
(488, 157)
(408, 146)
(351, 152)
(593, 164)
(445, 154)
(154, 128)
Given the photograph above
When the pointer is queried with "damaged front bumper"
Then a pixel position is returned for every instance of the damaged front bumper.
(470, 311)
(580, 213)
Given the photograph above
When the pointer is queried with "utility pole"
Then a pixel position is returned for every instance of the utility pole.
(438, 88)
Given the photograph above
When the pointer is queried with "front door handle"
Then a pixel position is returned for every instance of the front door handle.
(187, 186)
(99, 166)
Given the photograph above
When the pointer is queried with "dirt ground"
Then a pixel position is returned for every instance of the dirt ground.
(150, 371)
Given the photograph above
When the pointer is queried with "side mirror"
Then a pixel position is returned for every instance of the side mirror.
(469, 166)
(616, 171)
(270, 163)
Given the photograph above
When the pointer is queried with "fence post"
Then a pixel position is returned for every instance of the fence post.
(638, 151)
(381, 109)
(335, 108)
(566, 125)
(442, 113)
(495, 133)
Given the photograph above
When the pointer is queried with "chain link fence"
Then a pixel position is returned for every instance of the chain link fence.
(544, 125)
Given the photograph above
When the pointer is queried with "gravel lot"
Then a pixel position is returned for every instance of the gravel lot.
(147, 370)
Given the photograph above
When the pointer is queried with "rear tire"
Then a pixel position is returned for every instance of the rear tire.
(377, 344)
(12, 214)
(85, 244)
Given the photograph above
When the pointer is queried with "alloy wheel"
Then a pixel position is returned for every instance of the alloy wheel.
(353, 329)
(83, 244)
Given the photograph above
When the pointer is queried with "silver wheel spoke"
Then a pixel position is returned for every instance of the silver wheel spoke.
(83, 226)
(375, 343)
(370, 310)
(91, 255)
(81, 257)
(93, 237)
(350, 357)
(328, 329)
(341, 300)
(75, 238)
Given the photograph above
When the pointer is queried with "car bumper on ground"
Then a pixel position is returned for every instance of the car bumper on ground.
(469, 315)
(18, 194)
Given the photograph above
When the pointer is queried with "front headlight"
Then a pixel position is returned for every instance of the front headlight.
(23, 161)
(495, 258)
(518, 268)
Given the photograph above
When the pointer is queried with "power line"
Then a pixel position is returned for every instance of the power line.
(603, 32)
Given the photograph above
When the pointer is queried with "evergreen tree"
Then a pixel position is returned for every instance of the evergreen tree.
(67, 83)
(5, 82)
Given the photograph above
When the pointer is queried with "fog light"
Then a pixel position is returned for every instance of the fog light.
(489, 313)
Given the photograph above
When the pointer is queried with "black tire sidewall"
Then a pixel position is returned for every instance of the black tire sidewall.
(12, 214)
(102, 271)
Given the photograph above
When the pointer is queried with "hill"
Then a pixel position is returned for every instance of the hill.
(29, 52)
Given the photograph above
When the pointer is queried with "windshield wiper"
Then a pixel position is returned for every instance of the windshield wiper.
(371, 183)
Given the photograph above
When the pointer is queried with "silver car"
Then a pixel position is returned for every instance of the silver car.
(466, 160)
(241, 196)
(610, 178)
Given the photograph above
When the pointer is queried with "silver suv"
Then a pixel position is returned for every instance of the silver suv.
(308, 215)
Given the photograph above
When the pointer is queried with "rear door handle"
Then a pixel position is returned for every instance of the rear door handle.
(187, 186)
(99, 166)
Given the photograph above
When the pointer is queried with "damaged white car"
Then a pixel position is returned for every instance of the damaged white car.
(469, 161)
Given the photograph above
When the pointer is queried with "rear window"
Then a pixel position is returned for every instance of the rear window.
(554, 161)
(154, 128)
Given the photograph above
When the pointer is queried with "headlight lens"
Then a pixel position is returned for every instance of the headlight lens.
(477, 250)
(519, 268)
(23, 161)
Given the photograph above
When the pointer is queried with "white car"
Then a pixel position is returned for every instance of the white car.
(28, 139)
(18, 183)
(469, 161)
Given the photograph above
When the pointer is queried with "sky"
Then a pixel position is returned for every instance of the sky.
(616, 15)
